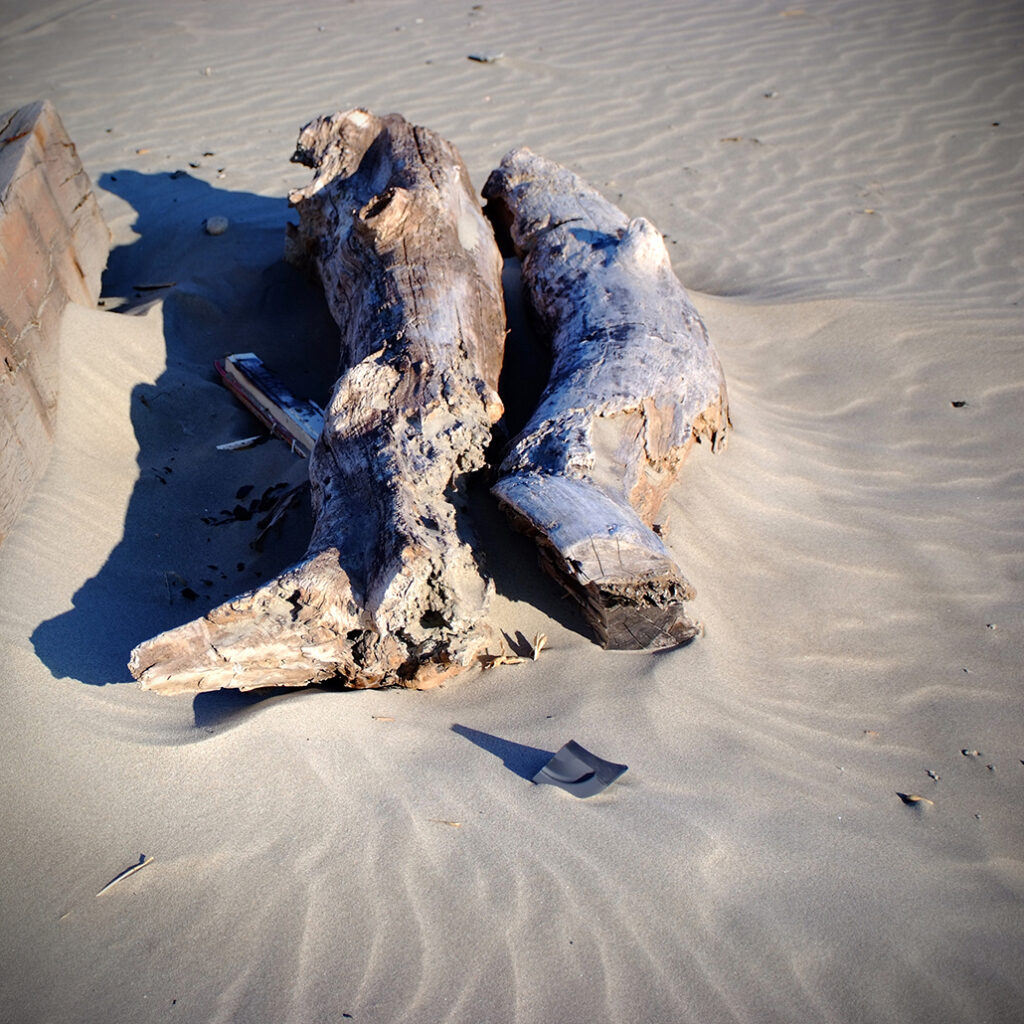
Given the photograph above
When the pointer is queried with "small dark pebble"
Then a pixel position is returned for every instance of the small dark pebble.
(243, 491)
(189, 594)
(240, 567)
(958, 404)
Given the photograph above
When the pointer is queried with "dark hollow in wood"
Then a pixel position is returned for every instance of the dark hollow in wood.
(389, 591)
(634, 382)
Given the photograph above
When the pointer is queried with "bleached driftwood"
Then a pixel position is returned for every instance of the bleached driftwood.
(389, 590)
(634, 382)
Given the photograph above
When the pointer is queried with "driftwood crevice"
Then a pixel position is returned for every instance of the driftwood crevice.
(634, 383)
(390, 590)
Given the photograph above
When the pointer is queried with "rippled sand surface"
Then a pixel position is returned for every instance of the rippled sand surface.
(840, 186)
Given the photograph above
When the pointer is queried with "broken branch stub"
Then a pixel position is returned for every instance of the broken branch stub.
(634, 382)
(389, 591)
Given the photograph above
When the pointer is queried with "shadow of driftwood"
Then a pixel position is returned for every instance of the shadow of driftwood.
(194, 510)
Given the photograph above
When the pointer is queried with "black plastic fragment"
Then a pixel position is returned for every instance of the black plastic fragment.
(576, 770)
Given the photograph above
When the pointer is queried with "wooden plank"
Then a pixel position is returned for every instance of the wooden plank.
(296, 421)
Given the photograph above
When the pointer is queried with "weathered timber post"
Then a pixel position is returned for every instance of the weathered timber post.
(53, 248)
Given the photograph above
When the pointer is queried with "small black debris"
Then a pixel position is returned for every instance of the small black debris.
(578, 771)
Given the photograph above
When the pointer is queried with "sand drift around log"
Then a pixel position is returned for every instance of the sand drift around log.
(391, 590)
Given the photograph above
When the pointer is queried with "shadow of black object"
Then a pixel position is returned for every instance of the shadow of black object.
(524, 761)
(230, 293)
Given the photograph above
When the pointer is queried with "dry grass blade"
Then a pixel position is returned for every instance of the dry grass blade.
(143, 861)
(505, 657)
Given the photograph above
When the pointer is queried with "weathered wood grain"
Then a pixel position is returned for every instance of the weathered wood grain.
(390, 591)
(634, 383)
(53, 248)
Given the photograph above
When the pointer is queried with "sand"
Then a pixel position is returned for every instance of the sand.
(840, 185)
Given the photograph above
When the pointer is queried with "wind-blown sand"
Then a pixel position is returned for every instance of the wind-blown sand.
(841, 187)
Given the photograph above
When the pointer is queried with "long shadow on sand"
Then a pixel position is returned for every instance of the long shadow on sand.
(193, 513)
(224, 294)
(519, 758)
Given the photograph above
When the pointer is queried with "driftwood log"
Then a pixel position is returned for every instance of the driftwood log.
(634, 382)
(389, 591)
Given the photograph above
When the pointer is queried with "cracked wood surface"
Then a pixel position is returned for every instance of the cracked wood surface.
(389, 591)
(634, 383)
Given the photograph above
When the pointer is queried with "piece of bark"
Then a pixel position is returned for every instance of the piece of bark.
(389, 591)
(53, 248)
(634, 382)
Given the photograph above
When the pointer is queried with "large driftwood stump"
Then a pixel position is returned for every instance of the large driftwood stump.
(389, 590)
(53, 248)
(634, 382)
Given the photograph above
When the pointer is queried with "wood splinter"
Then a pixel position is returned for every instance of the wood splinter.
(634, 382)
(389, 591)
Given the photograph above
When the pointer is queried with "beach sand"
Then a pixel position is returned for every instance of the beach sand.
(840, 186)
